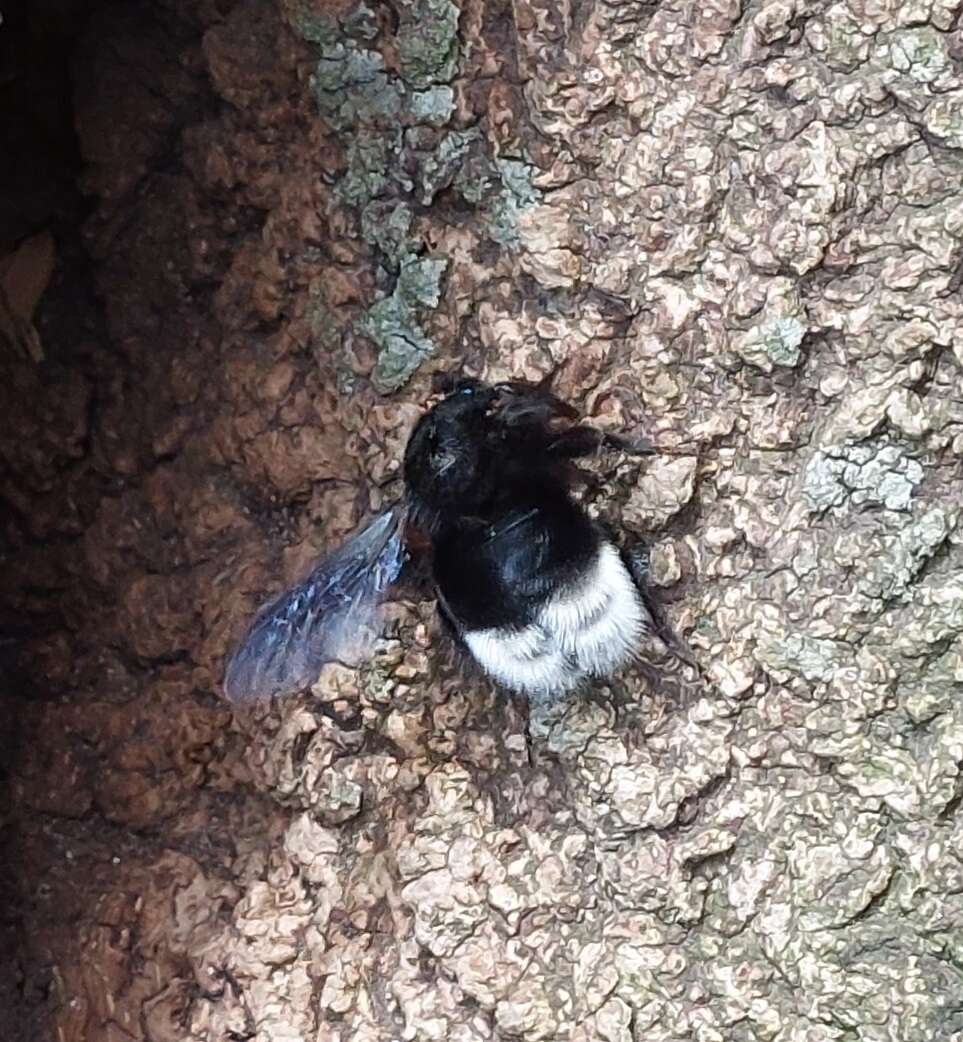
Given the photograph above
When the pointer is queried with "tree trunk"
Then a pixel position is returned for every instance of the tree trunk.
(735, 227)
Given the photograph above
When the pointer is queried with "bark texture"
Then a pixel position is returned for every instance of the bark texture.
(737, 227)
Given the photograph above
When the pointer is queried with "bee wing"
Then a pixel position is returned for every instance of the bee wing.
(326, 617)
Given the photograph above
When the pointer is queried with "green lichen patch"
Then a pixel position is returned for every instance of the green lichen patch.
(782, 338)
(515, 195)
(420, 281)
(369, 156)
(352, 88)
(428, 41)
(391, 124)
(387, 225)
(474, 179)
(441, 165)
(776, 339)
(393, 323)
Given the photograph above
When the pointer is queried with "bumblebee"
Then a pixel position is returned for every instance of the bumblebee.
(526, 582)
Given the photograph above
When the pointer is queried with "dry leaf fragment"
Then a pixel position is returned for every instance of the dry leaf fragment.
(24, 276)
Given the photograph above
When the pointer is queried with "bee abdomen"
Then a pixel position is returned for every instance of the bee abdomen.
(587, 628)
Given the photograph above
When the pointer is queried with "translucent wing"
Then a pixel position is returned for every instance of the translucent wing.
(326, 617)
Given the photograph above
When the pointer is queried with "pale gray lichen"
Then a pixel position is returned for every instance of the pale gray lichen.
(358, 23)
(905, 553)
(369, 155)
(919, 52)
(776, 339)
(433, 106)
(352, 88)
(514, 194)
(441, 165)
(387, 225)
(782, 339)
(869, 473)
(790, 652)
(391, 154)
(392, 322)
(371, 107)
(350, 83)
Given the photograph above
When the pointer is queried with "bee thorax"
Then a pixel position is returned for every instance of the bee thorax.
(588, 627)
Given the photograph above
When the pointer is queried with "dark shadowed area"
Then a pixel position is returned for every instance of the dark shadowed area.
(237, 239)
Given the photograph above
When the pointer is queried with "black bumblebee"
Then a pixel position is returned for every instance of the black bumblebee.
(533, 588)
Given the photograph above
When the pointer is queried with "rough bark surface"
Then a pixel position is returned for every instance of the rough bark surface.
(736, 226)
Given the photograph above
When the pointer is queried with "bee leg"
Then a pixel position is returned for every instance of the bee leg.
(450, 629)
(525, 756)
(584, 441)
(639, 445)
(418, 580)
(636, 560)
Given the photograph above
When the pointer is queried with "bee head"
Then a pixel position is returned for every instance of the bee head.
(447, 457)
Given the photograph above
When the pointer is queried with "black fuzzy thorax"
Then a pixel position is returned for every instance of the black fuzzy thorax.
(497, 569)
(488, 474)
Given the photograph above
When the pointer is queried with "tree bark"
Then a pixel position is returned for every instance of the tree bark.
(734, 227)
